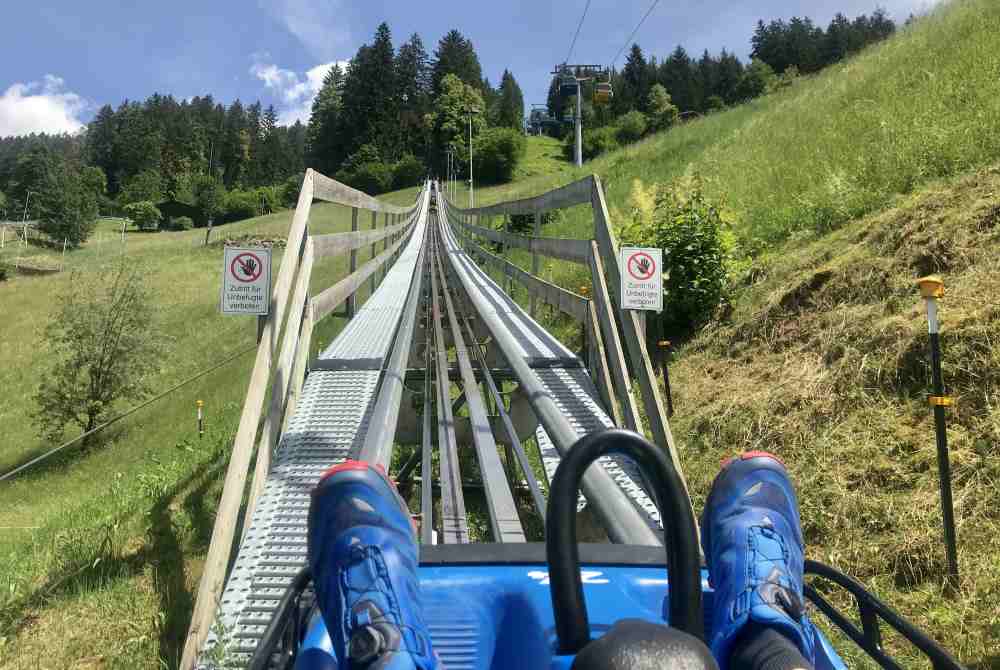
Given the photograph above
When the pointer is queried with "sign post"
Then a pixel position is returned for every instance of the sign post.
(642, 279)
(246, 281)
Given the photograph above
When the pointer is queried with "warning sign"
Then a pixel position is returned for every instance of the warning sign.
(642, 279)
(246, 281)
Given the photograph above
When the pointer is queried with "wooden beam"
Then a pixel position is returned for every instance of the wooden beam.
(332, 190)
(335, 244)
(642, 365)
(576, 193)
(574, 251)
(227, 516)
(613, 346)
(331, 298)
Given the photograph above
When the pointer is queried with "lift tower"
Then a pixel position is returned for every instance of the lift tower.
(570, 79)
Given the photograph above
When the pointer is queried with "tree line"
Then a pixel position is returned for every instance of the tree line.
(681, 85)
(390, 115)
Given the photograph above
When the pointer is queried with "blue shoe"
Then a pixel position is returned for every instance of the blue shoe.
(363, 557)
(753, 545)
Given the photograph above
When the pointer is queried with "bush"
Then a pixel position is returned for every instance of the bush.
(663, 113)
(209, 197)
(240, 205)
(632, 127)
(4, 270)
(408, 171)
(372, 178)
(757, 80)
(179, 223)
(269, 198)
(689, 230)
(144, 214)
(497, 152)
(290, 191)
(596, 142)
(714, 103)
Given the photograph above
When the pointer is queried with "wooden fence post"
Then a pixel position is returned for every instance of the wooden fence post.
(351, 301)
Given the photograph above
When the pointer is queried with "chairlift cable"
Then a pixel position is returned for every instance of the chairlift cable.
(578, 27)
(643, 20)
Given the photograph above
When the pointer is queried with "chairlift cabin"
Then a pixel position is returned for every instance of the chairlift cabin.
(567, 84)
(603, 93)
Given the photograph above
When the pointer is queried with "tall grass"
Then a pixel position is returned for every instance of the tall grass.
(841, 144)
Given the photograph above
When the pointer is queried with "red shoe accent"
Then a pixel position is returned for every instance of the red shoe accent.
(346, 465)
(760, 454)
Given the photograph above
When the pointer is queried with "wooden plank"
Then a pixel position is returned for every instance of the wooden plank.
(271, 431)
(352, 301)
(575, 193)
(574, 251)
(599, 364)
(642, 365)
(613, 346)
(566, 301)
(301, 364)
(226, 519)
(335, 244)
(334, 296)
(332, 190)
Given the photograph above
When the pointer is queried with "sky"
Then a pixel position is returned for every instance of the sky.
(61, 60)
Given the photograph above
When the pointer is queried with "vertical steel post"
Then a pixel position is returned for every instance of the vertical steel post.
(579, 125)
(201, 424)
(932, 288)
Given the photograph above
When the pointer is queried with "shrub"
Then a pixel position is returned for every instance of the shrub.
(408, 171)
(595, 142)
(497, 153)
(180, 223)
(714, 103)
(290, 190)
(209, 197)
(4, 270)
(144, 214)
(372, 178)
(269, 197)
(690, 231)
(632, 127)
(240, 205)
(663, 113)
(757, 79)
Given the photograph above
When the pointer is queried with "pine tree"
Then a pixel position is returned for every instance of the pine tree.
(510, 111)
(456, 55)
(636, 83)
(413, 81)
(678, 76)
(322, 138)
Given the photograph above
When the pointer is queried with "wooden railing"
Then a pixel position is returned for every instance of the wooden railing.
(599, 316)
(281, 363)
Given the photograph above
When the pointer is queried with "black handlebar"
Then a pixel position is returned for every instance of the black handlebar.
(683, 557)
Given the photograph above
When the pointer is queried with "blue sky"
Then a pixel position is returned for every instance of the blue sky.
(61, 60)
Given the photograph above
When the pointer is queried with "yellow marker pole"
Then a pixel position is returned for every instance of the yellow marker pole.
(201, 424)
(931, 289)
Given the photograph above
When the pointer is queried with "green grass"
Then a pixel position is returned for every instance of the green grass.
(147, 476)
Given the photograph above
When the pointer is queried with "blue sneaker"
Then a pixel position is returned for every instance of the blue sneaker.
(753, 545)
(363, 557)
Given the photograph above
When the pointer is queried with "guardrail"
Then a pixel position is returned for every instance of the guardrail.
(280, 363)
(600, 316)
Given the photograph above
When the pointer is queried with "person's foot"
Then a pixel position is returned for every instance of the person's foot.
(363, 557)
(753, 546)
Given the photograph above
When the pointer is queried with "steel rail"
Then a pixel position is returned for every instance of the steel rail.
(377, 447)
(504, 520)
(512, 437)
(622, 521)
(454, 525)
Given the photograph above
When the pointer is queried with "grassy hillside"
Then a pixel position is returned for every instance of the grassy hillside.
(840, 191)
(114, 536)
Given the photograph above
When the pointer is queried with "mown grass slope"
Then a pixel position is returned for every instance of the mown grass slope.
(840, 191)
(114, 536)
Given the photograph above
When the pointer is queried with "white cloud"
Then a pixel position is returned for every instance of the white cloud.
(319, 24)
(296, 92)
(40, 106)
